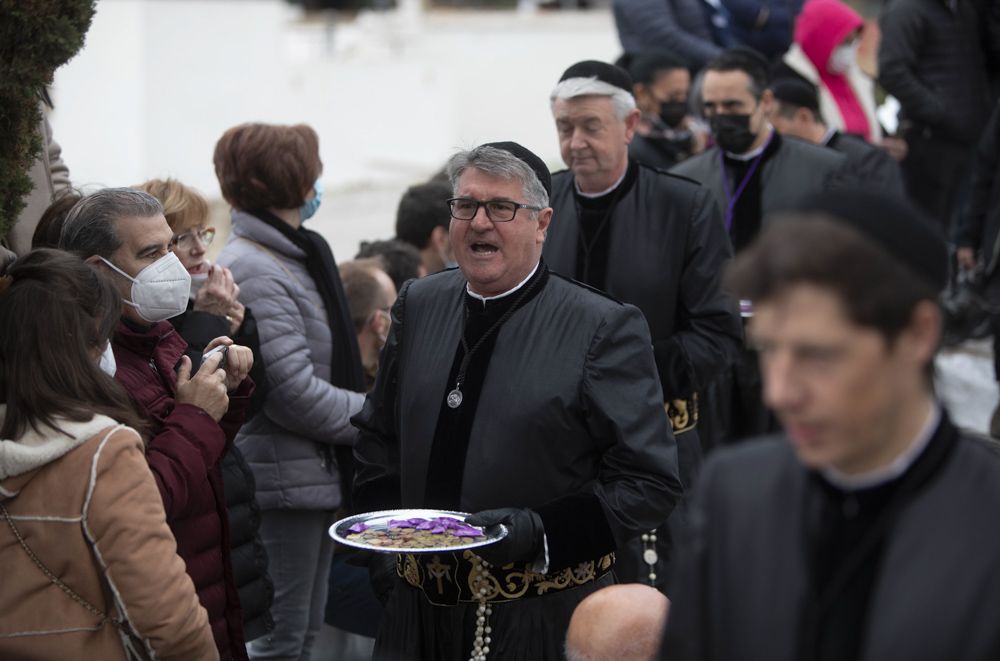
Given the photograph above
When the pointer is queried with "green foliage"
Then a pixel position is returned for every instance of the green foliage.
(36, 38)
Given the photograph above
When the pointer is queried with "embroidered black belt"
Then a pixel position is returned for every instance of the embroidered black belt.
(446, 579)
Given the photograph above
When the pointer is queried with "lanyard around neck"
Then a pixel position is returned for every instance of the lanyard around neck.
(733, 198)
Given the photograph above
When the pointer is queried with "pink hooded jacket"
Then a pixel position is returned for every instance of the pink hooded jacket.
(819, 29)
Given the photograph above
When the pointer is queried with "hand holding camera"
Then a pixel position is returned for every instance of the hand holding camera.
(236, 360)
(207, 388)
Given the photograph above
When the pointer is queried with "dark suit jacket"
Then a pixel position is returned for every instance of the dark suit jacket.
(741, 583)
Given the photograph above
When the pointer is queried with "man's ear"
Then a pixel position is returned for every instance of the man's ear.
(379, 323)
(631, 124)
(544, 218)
(923, 333)
(439, 238)
(767, 102)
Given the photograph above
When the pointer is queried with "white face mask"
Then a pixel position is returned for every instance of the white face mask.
(843, 57)
(159, 291)
(108, 364)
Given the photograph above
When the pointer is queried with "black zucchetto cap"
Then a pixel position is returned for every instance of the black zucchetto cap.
(607, 73)
(892, 223)
(524, 154)
(796, 92)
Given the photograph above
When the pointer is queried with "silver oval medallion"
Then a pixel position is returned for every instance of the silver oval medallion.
(454, 399)
(650, 557)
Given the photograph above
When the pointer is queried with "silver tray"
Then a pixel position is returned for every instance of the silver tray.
(381, 520)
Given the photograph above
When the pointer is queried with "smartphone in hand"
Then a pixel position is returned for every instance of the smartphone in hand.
(223, 349)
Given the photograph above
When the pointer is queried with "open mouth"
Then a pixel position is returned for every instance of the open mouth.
(484, 248)
(198, 269)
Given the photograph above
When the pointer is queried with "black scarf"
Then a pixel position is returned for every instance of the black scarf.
(346, 370)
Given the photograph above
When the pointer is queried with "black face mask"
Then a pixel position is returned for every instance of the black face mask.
(732, 132)
(673, 113)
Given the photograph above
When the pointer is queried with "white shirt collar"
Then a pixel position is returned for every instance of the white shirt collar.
(468, 290)
(603, 192)
(898, 466)
(828, 136)
(750, 155)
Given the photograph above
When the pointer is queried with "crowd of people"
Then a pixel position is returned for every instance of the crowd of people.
(736, 248)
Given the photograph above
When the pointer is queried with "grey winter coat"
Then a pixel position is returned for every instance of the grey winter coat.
(287, 442)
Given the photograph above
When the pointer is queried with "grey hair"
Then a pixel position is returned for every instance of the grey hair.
(89, 228)
(622, 101)
(499, 163)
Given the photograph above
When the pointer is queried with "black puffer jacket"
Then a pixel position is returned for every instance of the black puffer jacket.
(249, 556)
(979, 223)
(933, 59)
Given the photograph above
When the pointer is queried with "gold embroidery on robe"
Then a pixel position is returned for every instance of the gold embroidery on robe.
(683, 414)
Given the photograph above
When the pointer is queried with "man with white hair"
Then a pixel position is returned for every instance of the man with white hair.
(650, 239)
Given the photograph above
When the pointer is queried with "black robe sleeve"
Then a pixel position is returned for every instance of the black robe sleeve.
(637, 484)
(709, 332)
(376, 454)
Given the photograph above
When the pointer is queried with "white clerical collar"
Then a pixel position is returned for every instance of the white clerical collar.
(603, 192)
(468, 290)
(750, 155)
(828, 136)
(898, 466)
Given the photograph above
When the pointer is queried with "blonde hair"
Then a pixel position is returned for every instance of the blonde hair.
(183, 206)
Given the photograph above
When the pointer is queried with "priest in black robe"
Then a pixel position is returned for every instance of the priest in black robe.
(651, 239)
(867, 531)
(509, 391)
(751, 171)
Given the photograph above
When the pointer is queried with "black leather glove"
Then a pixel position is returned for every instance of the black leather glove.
(523, 542)
(382, 575)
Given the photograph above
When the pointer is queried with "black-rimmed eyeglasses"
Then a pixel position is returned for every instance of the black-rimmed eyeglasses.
(499, 211)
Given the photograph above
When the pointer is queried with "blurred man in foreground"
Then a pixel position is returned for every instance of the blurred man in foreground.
(867, 531)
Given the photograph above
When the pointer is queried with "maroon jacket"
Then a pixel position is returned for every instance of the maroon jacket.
(185, 455)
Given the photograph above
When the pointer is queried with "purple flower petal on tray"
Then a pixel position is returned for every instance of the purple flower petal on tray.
(358, 527)
(399, 523)
(437, 530)
(425, 525)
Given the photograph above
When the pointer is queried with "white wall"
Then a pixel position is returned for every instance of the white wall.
(391, 95)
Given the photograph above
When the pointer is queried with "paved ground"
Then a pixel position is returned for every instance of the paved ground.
(966, 384)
